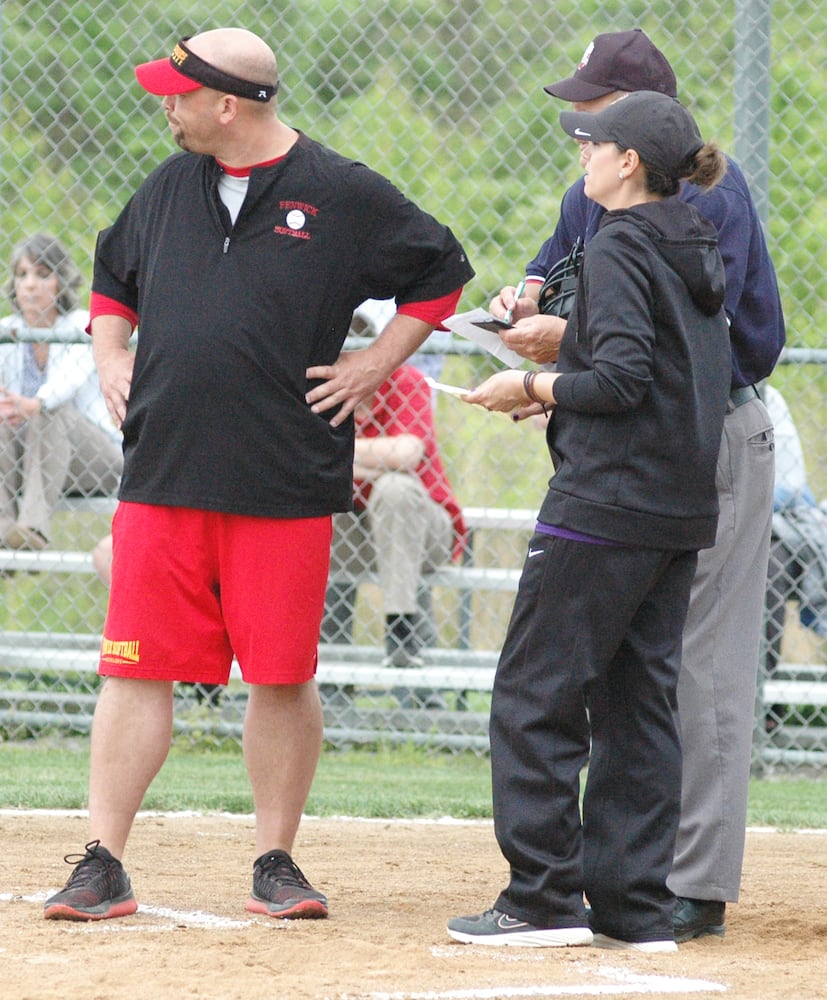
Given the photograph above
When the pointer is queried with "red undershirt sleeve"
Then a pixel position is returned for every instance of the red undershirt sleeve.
(102, 305)
(433, 311)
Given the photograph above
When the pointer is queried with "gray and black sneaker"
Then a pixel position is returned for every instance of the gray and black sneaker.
(97, 889)
(496, 928)
(281, 890)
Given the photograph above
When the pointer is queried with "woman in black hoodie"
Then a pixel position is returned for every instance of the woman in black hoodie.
(590, 663)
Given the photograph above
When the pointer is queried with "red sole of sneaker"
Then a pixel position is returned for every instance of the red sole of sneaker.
(307, 909)
(61, 912)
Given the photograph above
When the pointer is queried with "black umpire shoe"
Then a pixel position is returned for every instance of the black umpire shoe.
(696, 918)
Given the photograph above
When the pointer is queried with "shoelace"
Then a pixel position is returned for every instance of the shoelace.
(281, 868)
(84, 873)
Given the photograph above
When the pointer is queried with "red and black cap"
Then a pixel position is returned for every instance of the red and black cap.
(617, 60)
(184, 71)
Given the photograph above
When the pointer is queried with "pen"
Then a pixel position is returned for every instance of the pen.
(518, 291)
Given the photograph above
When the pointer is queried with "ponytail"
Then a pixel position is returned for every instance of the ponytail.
(705, 168)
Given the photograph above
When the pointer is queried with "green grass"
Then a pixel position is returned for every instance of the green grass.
(388, 782)
(788, 803)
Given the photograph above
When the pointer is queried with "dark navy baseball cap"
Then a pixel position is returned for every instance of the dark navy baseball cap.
(617, 60)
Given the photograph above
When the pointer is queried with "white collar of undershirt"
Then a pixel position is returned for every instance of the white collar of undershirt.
(232, 190)
(233, 183)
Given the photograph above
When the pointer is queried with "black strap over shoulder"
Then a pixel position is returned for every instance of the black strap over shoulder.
(558, 291)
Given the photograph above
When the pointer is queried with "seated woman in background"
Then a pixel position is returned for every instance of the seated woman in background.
(56, 435)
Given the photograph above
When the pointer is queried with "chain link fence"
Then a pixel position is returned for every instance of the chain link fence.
(445, 99)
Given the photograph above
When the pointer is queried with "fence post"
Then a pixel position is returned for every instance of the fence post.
(753, 20)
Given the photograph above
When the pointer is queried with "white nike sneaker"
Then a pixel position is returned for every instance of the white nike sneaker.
(496, 928)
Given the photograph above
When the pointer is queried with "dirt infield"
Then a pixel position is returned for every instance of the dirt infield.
(392, 886)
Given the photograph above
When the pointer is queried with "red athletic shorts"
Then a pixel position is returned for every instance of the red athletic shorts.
(192, 588)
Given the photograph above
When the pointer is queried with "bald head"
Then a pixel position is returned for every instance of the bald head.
(237, 51)
(219, 91)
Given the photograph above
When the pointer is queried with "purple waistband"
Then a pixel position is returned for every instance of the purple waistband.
(575, 536)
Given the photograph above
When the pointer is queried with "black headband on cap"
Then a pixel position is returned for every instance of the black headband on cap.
(186, 62)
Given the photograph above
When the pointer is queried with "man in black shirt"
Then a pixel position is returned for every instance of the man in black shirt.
(242, 260)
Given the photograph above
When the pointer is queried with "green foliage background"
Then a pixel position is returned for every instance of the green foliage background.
(446, 99)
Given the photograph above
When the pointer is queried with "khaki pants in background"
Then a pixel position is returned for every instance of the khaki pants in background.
(51, 454)
(401, 535)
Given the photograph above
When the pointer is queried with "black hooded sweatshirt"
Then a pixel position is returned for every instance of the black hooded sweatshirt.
(645, 363)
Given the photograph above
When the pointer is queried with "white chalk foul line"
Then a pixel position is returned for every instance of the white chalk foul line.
(632, 986)
(622, 982)
(625, 983)
(172, 918)
(188, 918)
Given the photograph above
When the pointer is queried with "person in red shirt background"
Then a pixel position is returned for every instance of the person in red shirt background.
(406, 520)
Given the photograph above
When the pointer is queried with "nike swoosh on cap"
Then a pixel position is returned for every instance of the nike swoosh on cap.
(579, 131)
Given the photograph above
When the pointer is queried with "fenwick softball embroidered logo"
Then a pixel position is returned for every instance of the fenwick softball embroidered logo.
(295, 219)
(179, 56)
(128, 651)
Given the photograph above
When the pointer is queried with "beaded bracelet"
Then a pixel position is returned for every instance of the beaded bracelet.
(528, 389)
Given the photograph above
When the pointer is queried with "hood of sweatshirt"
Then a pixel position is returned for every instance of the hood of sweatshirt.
(687, 241)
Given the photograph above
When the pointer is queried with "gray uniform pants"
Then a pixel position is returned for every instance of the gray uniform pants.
(721, 641)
